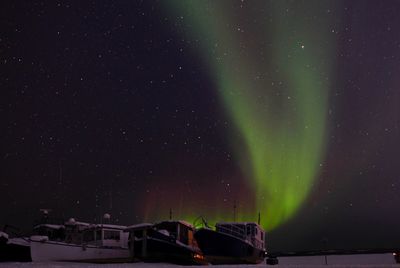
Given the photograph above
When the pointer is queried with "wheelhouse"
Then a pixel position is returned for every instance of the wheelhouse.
(105, 235)
(54, 232)
(249, 231)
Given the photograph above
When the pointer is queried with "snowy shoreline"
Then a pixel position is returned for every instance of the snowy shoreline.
(161, 265)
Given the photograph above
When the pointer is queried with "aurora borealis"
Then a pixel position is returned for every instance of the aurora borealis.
(136, 108)
(274, 87)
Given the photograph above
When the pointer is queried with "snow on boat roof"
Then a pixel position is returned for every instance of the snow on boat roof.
(149, 225)
(72, 221)
(111, 226)
(2, 234)
(178, 221)
(237, 223)
(50, 226)
(78, 223)
(139, 226)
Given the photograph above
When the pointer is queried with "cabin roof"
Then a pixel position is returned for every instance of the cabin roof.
(239, 223)
(2, 234)
(50, 226)
(110, 226)
(139, 226)
(80, 223)
(179, 221)
(142, 226)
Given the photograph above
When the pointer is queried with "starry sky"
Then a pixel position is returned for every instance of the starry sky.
(136, 108)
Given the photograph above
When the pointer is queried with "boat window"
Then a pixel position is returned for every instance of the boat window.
(184, 236)
(108, 234)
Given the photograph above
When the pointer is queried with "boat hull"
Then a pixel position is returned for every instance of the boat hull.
(159, 250)
(220, 248)
(42, 251)
(11, 251)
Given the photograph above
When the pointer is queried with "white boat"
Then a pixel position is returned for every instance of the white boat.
(83, 243)
(17, 247)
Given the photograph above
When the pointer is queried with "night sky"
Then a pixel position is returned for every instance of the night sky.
(287, 108)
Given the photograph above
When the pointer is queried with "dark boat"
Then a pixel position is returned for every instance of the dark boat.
(14, 249)
(167, 241)
(15, 246)
(397, 256)
(232, 243)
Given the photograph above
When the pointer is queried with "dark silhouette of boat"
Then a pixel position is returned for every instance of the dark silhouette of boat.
(167, 241)
(14, 249)
(232, 243)
(15, 246)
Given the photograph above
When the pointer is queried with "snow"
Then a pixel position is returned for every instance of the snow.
(354, 259)
(2, 234)
(111, 226)
(138, 226)
(180, 221)
(50, 226)
(162, 265)
(334, 261)
(22, 241)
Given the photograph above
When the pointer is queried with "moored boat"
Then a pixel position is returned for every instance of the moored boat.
(95, 243)
(232, 243)
(14, 249)
(167, 241)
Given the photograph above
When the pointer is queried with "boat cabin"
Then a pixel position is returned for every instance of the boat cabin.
(105, 235)
(74, 230)
(181, 231)
(248, 231)
(167, 241)
(54, 232)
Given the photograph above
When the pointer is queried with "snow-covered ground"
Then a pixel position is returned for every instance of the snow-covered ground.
(354, 259)
(342, 261)
(161, 265)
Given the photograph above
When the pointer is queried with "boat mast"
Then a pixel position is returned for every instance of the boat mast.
(234, 210)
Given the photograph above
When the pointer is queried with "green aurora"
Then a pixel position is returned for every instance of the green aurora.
(271, 65)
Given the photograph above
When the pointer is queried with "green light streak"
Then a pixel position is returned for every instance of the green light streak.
(277, 101)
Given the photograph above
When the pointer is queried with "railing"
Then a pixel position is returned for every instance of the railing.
(257, 243)
(233, 230)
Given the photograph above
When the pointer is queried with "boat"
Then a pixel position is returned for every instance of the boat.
(167, 241)
(232, 243)
(83, 242)
(14, 249)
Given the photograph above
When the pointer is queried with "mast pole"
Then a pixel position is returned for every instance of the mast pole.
(234, 210)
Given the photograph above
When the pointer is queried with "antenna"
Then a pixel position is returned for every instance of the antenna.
(259, 218)
(234, 210)
(111, 195)
(59, 172)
